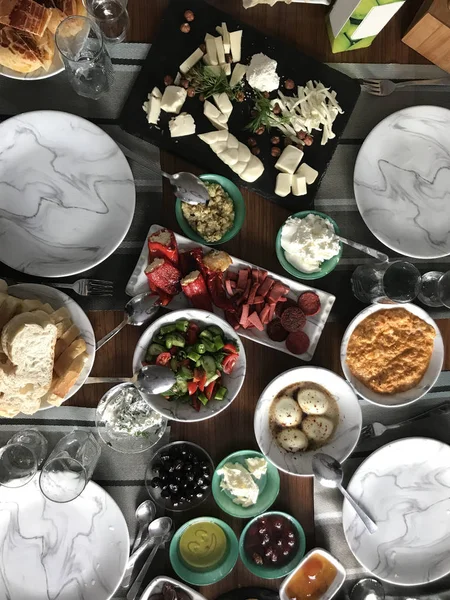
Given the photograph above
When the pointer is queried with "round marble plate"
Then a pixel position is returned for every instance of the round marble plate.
(58, 299)
(70, 550)
(404, 486)
(427, 381)
(402, 181)
(177, 411)
(345, 437)
(67, 193)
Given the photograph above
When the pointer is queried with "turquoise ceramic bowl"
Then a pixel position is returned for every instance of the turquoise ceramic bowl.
(195, 577)
(325, 268)
(273, 572)
(239, 211)
(269, 487)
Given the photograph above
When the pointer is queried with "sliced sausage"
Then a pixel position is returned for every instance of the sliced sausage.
(309, 302)
(276, 331)
(297, 343)
(293, 319)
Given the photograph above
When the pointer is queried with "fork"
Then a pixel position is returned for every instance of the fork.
(82, 287)
(376, 429)
(385, 87)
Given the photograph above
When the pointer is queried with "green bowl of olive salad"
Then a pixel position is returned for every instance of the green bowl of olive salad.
(218, 221)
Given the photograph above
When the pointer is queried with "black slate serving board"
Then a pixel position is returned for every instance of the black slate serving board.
(172, 47)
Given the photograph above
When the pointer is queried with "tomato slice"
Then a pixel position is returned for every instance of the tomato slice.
(231, 348)
(209, 391)
(202, 382)
(163, 359)
(228, 363)
(192, 333)
(192, 387)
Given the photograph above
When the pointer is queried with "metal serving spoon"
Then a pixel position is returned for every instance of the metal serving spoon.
(190, 188)
(363, 248)
(328, 472)
(145, 513)
(138, 311)
(151, 379)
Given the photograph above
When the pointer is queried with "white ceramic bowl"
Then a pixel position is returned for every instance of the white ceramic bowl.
(176, 411)
(345, 437)
(428, 380)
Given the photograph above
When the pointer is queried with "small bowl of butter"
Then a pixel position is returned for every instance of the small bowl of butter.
(245, 484)
(204, 551)
(306, 245)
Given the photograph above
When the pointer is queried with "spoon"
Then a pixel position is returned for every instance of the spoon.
(328, 472)
(189, 188)
(156, 529)
(145, 513)
(363, 248)
(138, 311)
(367, 589)
(151, 379)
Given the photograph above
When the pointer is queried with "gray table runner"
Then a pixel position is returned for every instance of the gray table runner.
(335, 196)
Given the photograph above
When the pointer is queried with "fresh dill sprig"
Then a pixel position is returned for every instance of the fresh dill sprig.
(264, 114)
(208, 82)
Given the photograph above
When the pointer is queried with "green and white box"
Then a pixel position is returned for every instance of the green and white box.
(354, 24)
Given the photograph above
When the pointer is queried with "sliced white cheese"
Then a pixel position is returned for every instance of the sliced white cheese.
(220, 50)
(177, 79)
(232, 142)
(229, 157)
(191, 61)
(283, 185)
(181, 125)
(173, 99)
(212, 137)
(223, 103)
(238, 74)
(226, 38)
(210, 111)
(208, 36)
(206, 59)
(226, 68)
(239, 167)
(219, 29)
(218, 124)
(211, 50)
(298, 184)
(308, 173)
(289, 159)
(236, 43)
(156, 93)
(244, 153)
(253, 170)
(219, 147)
(153, 109)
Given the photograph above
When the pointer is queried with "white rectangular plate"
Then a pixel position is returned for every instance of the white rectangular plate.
(137, 284)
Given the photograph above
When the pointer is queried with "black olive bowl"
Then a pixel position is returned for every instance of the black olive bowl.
(179, 476)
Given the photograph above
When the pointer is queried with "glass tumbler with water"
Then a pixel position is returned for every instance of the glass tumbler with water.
(87, 62)
(397, 281)
(69, 467)
(112, 18)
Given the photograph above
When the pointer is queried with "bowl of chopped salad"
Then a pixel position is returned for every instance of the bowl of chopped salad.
(206, 356)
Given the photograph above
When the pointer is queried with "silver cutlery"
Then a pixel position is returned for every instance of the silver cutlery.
(138, 311)
(145, 514)
(82, 287)
(189, 187)
(385, 87)
(376, 429)
(363, 248)
(328, 472)
(151, 379)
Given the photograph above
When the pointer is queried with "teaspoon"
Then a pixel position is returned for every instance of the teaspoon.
(145, 513)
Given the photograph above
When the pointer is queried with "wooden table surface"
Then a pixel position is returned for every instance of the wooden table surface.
(303, 26)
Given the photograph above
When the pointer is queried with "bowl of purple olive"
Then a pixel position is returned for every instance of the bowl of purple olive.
(179, 476)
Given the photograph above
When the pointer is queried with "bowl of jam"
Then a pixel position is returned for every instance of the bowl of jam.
(272, 545)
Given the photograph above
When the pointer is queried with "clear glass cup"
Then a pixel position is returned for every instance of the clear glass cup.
(18, 465)
(69, 467)
(87, 62)
(397, 281)
(34, 440)
(435, 290)
(112, 18)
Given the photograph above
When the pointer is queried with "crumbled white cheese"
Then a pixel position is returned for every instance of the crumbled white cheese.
(128, 412)
(256, 466)
(162, 236)
(238, 482)
(262, 73)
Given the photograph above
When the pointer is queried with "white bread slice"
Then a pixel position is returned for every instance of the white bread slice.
(10, 405)
(62, 365)
(62, 385)
(59, 315)
(63, 326)
(15, 327)
(29, 305)
(66, 339)
(47, 308)
(9, 306)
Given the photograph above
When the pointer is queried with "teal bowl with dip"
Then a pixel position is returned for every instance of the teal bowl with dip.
(200, 546)
(325, 267)
(239, 211)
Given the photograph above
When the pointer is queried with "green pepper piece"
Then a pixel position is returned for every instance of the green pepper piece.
(215, 330)
(194, 356)
(200, 348)
(182, 325)
(218, 343)
(178, 340)
(221, 393)
(203, 399)
(174, 364)
(165, 329)
(209, 345)
(205, 334)
(181, 354)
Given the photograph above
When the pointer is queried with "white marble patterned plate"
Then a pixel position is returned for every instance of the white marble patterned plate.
(67, 193)
(58, 299)
(138, 284)
(61, 551)
(345, 437)
(402, 181)
(177, 411)
(404, 486)
(427, 381)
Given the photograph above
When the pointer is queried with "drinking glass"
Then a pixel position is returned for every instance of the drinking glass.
(18, 465)
(397, 281)
(88, 65)
(435, 290)
(34, 440)
(112, 18)
(69, 467)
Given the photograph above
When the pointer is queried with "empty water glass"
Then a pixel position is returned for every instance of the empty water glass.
(34, 440)
(397, 281)
(112, 18)
(18, 465)
(87, 62)
(435, 290)
(69, 467)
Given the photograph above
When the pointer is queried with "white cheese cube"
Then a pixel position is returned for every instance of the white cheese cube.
(283, 185)
(219, 50)
(238, 74)
(211, 50)
(289, 159)
(235, 43)
(253, 170)
(209, 110)
(182, 125)
(239, 167)
(229, 156)
(173, 99)
(308, 173)
(298, 184)
(156, 93)
(177, 79)
(217, 123)
(153, 109)
(208, 36)
(226, 68)
(191, 61)
(223, 103)
(226, 38)
(244, 153)
(212, 137)
(232, 142)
